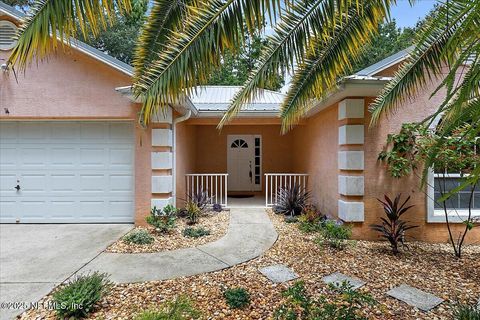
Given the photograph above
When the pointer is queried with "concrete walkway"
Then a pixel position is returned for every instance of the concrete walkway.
(250, 233)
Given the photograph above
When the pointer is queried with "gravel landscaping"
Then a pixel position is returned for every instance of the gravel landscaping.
(215, 222)
(429, 267)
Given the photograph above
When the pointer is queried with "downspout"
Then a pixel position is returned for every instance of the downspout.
(185, 117)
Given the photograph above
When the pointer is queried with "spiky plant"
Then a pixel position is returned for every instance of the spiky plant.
(393, 228)
(291, 200)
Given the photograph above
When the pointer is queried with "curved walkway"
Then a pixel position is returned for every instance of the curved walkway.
(249, 234)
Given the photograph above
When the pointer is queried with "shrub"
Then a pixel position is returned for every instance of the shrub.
(394, 228)
(78, 297)
(179, 309)
(291, 200)
(466, 312)
(138, 236)
(163, 221)
(237, 298)
(200, 199)
(195, 232)
(170, 210)
(311, 219)
(346, 303)
(217, 207)
(290, 219)
(193, 212)
(335, 234)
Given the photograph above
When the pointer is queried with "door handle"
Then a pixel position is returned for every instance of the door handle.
(18, 186)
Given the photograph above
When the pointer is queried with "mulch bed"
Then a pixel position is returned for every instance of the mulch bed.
(429, 267)
(215, 222)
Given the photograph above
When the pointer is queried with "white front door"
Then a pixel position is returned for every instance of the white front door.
(66, 172)
(243, 167)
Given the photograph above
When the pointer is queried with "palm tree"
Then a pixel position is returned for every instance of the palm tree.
(184, 40)
(317, 40)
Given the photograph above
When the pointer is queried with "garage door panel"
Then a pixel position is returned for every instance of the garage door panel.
(92, 158)
(63, 158)
(8, 158)
(69, 172)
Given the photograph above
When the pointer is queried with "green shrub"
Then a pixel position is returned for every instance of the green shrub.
(195, 232)
(344, 304)
(311, 220)
(466, 312)
(193, 212)
(163, 221)
(179, 309)
(237, 298)
(335, 234)
(138, 236)
(78, 297)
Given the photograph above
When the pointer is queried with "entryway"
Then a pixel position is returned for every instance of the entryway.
(244, 163)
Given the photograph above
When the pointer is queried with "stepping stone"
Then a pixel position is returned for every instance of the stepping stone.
(337, 278)
(415, 297)
(278, 273)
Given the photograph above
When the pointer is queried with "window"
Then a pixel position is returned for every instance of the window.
(459, 203)
(8, 32)
(258, 146)
(239, 143)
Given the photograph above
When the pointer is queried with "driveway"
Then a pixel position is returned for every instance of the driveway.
(36, 258)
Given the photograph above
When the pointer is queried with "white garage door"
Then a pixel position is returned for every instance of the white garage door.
(67, 172)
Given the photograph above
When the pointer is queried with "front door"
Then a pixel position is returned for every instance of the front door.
(243, 152)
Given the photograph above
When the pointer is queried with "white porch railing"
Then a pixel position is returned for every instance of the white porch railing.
(275, 181)
(215, 184)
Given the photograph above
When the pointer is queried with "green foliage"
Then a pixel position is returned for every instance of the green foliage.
(335, 234)
(291, 200)
(163, 221)
(195, 232)
(393, 228)
(237, 298)
(78, 297)
(236, 66)
(200, 198)
(311, 219)
(389, 40)
(346, 304)
(179, 309)
(120, 37)
(466, 312)
(193, 212)
(138, 236)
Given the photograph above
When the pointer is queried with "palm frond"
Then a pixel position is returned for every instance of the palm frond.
(330, 57)
(441, 40)
(52, 21)
(189, 57)
(165, 16)
(304, 19)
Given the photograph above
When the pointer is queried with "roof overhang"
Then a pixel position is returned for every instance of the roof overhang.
(353, 86)
(180, 106)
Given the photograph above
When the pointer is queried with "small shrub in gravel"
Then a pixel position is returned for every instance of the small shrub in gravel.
(179, 309)
(193, 212)
(195, 232)
(335, 234)
(346, 303)
(466, 312)
(78, 297)
(139, 236)
(237, 298)
(163, 221)
(291, 200)
(217, 207)
(290, 219)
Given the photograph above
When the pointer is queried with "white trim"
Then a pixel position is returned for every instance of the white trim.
(438, 216)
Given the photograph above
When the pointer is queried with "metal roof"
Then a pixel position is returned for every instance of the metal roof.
(218, 98)
(80, 46)
(385, 63)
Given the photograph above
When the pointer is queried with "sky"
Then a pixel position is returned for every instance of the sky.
(407, 16)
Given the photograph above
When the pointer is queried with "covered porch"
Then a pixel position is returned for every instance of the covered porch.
(241, 165)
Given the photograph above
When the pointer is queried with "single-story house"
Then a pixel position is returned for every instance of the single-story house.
(72, 151)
